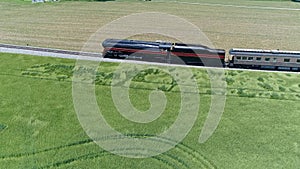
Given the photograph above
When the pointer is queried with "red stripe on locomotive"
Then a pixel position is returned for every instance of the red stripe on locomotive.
(178, 54)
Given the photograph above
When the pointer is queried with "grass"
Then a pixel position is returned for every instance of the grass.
(259, 132)
(39, 127)
(2, 127)
(239, 83)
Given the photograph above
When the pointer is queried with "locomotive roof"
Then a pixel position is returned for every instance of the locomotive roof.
(197, 47)
(132, 43)
(139, 43)
(126, 41)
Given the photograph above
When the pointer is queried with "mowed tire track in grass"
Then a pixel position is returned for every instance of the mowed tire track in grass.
(182, 156)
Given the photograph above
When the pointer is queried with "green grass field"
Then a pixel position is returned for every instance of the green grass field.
(38, 124)
(42, 131)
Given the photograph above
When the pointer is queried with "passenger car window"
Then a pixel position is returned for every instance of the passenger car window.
(250, 58)
(286, 60)
(267, 59)
(238, 57)
(244, 58)
(258, 58)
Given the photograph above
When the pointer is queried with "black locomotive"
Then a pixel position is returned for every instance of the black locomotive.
(199, 55)
(164, 52)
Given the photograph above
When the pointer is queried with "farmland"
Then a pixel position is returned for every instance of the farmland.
(258, 131)
(57, 25)
(39, 127)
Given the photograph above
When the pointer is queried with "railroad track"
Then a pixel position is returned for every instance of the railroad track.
(59, 53)
(49, 50)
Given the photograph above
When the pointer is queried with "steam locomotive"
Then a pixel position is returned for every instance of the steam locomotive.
(199, 55)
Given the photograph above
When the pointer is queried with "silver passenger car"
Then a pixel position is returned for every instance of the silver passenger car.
(265, 59)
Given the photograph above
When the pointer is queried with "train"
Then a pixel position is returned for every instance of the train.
(200, 55)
